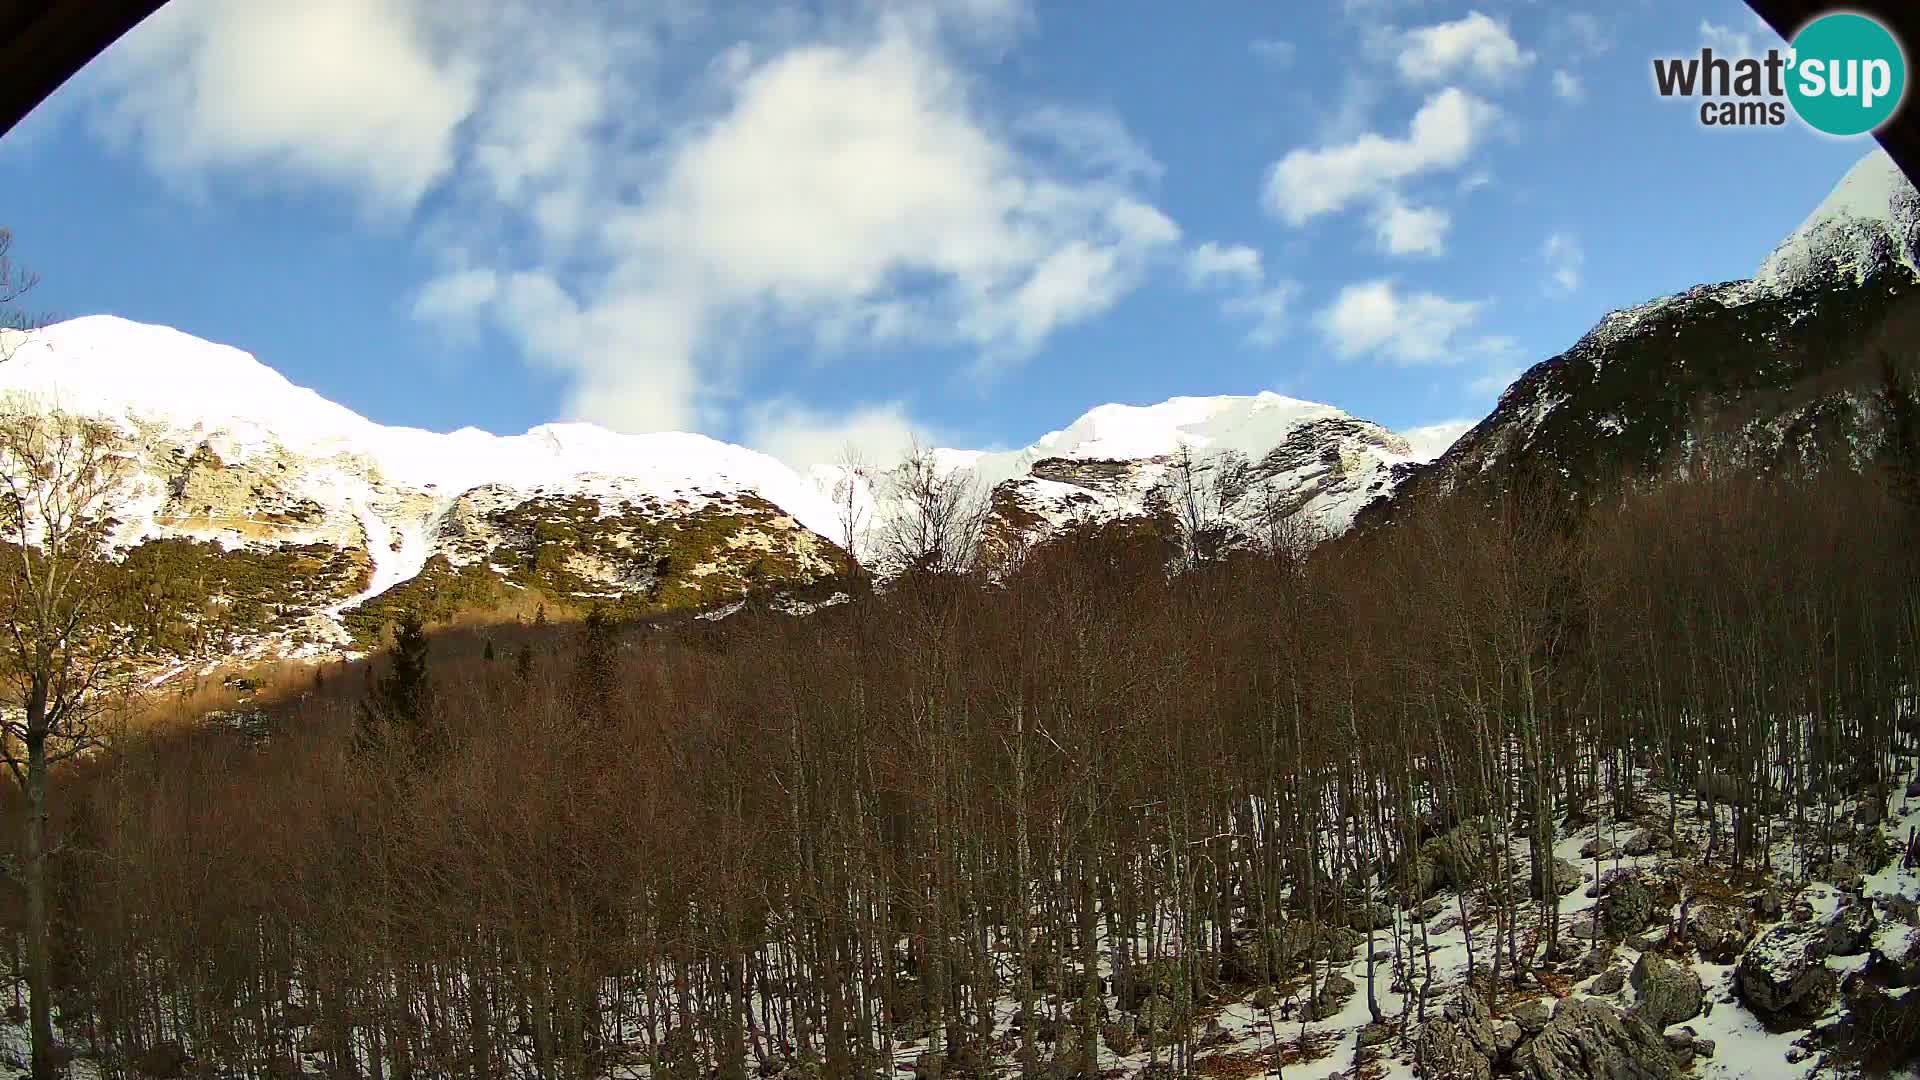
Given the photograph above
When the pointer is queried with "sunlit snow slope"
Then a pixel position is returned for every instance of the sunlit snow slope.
(235, 458)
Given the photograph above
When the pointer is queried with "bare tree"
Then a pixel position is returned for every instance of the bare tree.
(15, 281)
(937, 516)
(1282, 531)
(1200, 493)
(59, 475)
(850, 512)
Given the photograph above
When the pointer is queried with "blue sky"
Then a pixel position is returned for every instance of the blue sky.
(798, 225)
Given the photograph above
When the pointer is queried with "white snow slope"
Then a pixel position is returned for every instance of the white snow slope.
(389, 486)
(1320, 461)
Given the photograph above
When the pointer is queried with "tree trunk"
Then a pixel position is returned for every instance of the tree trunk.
(39, 915)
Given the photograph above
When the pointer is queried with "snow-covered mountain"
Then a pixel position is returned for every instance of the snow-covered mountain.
(262, 517)
(1783, 367)
(1239, 462)
(1252, 456)
(244, 480)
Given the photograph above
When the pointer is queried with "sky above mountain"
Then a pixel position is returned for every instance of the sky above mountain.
(799, 225)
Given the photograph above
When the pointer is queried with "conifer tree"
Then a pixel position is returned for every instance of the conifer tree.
(1901, 406)
(399, 706)
(594, 669)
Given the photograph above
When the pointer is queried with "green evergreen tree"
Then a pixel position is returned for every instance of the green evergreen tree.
(1900, 406)
(595, 666)
(398, 710)
(487, 654)
(523, 663)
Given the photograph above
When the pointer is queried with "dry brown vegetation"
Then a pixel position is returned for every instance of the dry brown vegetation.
(818, 839)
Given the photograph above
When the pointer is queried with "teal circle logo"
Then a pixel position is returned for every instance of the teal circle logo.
(1848, 74)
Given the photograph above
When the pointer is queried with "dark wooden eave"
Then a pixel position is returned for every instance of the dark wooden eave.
(43, 42)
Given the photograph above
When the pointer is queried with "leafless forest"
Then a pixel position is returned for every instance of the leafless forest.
(1026, 823)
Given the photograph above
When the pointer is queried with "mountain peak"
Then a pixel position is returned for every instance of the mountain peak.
(1870, 221)
(1225, 422)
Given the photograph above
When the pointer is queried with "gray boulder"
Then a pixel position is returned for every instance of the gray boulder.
(1717, 932)
(1591, 1040)
(1448, 861)
(1850, 931)
(1331, 998)
(1669, 993)
(1533, 1014)
(1611, 981)
(1681, 1044)
(1782, 973)
(1626, 908)
(1460, 1043)
(1507, 1036)
(1646, 842)
(1374, 916)
(1566, 878)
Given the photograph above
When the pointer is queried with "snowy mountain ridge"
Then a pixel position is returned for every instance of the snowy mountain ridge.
(233, 457)
(1251, 457)
(1869, 223)
(1781, 366)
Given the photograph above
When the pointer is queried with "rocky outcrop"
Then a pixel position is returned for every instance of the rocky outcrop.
(1460, 1043)
(1591, 1040)
(248, 498)
(1646, 842)
(1718, 932)
(1566, 878)
(1448, 861)
(1626, 907)
(1329, 999)
(1783, 974)
(1779, 370)
(1669, 993)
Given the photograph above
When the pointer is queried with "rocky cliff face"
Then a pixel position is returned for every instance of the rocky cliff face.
(262, 519)
(1236, 468)
(1782, 369)
(259, 519)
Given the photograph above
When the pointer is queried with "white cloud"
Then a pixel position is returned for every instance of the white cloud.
(803, 437)
(1268, 310)
(1237, 270)
(1096, 137)
(1443, 134)
(456, 298)
(1581, 33)
(833, 178)
(1276, 51)
(1476, 45)
(350, 92)
(1210, 263)
(1565, 259)
(1376, 319)
(1431, 440)
(854, 191)
(1747, 39)
(1402, 229)
(1567, 87)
